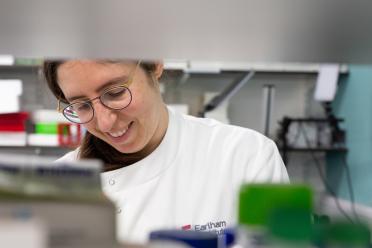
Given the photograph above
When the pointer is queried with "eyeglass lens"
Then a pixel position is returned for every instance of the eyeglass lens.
(116, 98)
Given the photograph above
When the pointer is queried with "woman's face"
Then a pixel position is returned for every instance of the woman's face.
(140, 127)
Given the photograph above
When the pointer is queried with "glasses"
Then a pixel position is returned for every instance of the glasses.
(115, 98)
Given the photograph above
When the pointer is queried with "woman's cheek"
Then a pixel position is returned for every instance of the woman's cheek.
(89, 126)
(138, 104)
(134, 107)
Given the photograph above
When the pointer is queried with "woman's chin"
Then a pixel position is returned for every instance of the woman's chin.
(126, 149)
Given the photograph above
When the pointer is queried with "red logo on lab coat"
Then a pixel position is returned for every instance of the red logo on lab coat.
(186, 227)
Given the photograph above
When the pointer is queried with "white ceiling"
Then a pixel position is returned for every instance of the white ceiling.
(217, 30)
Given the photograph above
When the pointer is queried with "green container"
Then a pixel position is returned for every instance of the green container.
(46, 128)
(259, 202)
(290, 225)
(346, 234)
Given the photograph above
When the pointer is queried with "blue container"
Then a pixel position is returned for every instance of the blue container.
(194, 239)
(229, 237)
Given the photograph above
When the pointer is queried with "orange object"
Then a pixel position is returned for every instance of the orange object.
(69, 134)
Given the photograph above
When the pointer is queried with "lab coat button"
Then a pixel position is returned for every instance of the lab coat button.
(119, 210)
(111, 181)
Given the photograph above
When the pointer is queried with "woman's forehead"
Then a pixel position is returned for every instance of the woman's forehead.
(78, 65)
(87, 76)
(89, 70)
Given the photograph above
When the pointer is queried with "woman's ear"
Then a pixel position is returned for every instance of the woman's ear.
(159, 68)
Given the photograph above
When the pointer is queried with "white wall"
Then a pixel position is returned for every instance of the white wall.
(293, 98)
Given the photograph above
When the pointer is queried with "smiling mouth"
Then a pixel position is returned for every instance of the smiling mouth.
(118, 134)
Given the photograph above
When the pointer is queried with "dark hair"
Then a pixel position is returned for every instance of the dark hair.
(91, 146)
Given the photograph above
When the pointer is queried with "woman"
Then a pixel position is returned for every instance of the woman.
(162, 169)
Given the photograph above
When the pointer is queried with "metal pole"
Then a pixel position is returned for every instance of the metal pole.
(226, 94)
(268, 106)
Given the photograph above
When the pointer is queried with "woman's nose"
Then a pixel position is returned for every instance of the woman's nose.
(105, 118)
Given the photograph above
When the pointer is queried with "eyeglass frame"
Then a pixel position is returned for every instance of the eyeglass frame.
(89, 101)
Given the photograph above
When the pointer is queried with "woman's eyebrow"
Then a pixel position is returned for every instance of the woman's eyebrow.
(111, 82)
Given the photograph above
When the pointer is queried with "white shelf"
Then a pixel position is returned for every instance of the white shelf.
(217, 67)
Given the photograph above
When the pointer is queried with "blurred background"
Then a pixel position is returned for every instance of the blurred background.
(277, 100)
(298, 71)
